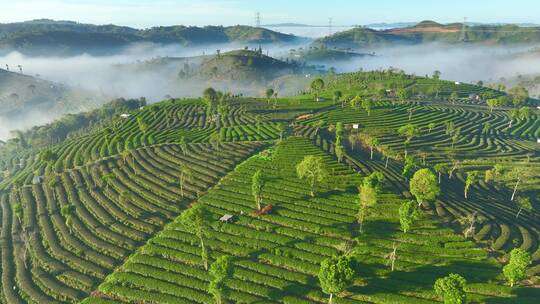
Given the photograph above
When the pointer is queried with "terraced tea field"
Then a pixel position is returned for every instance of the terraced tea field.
(99, 217)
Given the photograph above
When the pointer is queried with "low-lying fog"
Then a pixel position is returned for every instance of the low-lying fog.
(465, 63)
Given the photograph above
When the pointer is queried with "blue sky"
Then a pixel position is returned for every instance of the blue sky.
(146, 13)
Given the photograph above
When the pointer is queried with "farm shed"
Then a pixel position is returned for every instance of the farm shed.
(37, 180)
(227, 218)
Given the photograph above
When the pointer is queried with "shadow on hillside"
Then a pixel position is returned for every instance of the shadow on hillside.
(295, 289)
(377, 229)
(422, 277)
(521, 295)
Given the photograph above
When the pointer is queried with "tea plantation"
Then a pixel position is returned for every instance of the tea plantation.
(133, 211)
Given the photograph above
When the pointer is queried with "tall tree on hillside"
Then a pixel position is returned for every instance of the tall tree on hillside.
(431, 126)
(143, 126)
(512, 114)
(340, 152)
(451, 289)
(269, 93)
(282, 128)
(524, 113)
(373, 142)
(403, 94)
(424, 186)
(257, 184)
(335, 275)
(523, 203)
(337, 96)
(220, 270)
(408, 131)
(367, 197)
(441, 169)
(493, 103)
(472, 178)
(516, 269)
(517, 175)
(367, 104)
(519, 96)
(312, 169)
(317, 86)
(196, 219)
(407, 215)
(353, 140)
(339, 133)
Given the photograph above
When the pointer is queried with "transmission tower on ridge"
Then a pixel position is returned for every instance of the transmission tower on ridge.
(330, 26)
(463, 35)
(258, 19)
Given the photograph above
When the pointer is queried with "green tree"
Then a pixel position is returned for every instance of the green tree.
(451, 289)
(407, 215)
(523, 203)
(373, 142)
(517, 175)
(269, 93)
(317, 86)
(282, 128)
(440, 168)
(516, 269)
(512, 114)
(493, 103)
(339, 133)
(220, 270)
(337, 96)
(312, 169)
(335, 275)
(143, 126)
(524, 113)
(403, 94)
(424, 186)
(340, 152)
(431, 126)
(519, 96)
(472, 178)
(486, 127)
(367, 105)
(210, 95)
(196, 219)
(367, 198)
(409, 131)
(257, 185)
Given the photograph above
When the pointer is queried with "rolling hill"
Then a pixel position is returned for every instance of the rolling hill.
(62, 38)
(430, 31)
(26, 101)
(245, 71)
(139, 208)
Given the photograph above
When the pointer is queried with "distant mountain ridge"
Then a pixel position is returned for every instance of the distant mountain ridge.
(431, 31)
(49, 37)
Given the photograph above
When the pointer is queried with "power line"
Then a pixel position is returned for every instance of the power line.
(463, 36)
